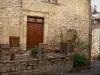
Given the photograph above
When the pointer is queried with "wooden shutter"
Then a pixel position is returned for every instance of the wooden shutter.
(14, 41)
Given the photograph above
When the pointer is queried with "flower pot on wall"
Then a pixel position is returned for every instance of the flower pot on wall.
(34, 52)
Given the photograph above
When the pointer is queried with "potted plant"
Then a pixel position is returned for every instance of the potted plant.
(80, 62)
(34, 52)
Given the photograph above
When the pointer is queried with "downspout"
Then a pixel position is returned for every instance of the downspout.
(99, 36)
(90, 32)
(20, 20)
(21, 3)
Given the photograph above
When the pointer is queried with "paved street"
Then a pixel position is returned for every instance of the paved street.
(94, 70)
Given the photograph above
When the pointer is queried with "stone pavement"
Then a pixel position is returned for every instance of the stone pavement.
(94, 70)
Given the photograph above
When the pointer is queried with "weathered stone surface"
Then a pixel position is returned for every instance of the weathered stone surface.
(95, 40)
(68, 14)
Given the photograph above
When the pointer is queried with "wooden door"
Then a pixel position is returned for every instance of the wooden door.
(35, 29)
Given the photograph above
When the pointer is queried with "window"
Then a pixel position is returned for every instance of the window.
(47, 0)
(54, 1)
(51, 1)
(40, 20)
(35, 19)
(14, 41)
(30, 19)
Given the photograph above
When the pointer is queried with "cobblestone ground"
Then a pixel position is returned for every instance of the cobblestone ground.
(94, 70)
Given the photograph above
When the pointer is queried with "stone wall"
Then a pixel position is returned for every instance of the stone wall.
(10, 19)
(36, 66)
(68, 14)
(95, 39)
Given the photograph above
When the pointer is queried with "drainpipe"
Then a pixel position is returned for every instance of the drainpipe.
(20, 20)
(99, 39)
(21, 3)
(90, 32)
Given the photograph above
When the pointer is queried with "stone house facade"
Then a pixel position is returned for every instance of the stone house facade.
(53, 15)
(95, 22)
(95, 35)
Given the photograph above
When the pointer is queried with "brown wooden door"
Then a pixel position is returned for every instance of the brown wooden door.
(35, 28)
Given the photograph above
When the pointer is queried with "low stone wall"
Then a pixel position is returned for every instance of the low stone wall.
(46, 62)
(53, 65)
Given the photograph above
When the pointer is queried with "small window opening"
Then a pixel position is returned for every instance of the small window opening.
(14, 41)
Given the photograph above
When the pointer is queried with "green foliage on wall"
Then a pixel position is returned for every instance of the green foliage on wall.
(81, 45)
